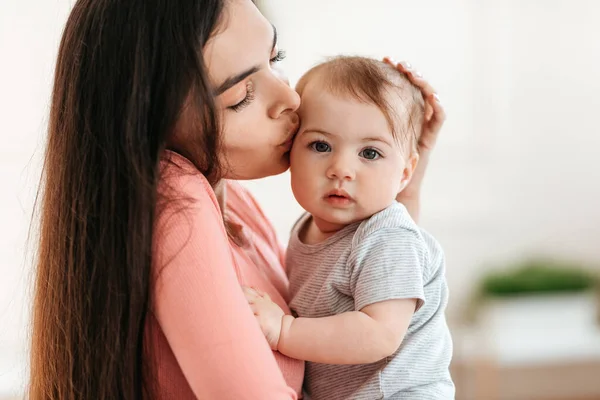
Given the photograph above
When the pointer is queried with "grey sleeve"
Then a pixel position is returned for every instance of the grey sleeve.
(387, 264)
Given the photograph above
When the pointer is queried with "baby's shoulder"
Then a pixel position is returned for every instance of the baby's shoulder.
(388, 223)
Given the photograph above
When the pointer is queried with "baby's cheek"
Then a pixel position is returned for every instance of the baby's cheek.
(295, 147)
(298, 157)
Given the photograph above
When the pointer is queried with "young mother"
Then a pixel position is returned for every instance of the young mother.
(158, 107)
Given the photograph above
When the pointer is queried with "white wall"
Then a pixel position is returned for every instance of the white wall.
(29, 35)
(515, 171)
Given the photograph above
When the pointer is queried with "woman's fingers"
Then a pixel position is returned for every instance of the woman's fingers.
(413, 75)
(420, 82)
(434, 111)
(389, 61)
(439, 114)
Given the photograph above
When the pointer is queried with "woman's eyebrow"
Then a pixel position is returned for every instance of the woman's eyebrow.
(234, 80)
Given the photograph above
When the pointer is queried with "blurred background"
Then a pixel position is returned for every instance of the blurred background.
(512, 193)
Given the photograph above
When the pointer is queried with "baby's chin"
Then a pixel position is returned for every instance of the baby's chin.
(348, 217)
(337, 219)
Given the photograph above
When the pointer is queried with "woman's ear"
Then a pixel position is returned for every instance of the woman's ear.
(409, 169)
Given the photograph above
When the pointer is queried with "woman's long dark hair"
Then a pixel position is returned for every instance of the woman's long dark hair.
(125, 69)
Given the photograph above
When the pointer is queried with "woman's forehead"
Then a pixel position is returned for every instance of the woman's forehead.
(243, 40)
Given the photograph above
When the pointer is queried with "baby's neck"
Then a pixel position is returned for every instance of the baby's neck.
(317, 230)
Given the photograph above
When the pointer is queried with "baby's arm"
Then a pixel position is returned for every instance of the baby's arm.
(357, 337)
(385, 270)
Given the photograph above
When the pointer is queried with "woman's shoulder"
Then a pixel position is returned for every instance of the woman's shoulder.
(179, 179)
(185, 198)
(187, 209)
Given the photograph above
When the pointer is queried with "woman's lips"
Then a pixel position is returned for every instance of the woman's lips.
(287, 144)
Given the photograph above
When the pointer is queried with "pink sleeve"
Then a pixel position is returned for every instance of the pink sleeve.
(282, 250)
(268, 229)
(200, 307)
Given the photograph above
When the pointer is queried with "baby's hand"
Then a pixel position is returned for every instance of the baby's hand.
(268, 314)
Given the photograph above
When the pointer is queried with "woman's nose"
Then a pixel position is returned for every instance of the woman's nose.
(286, 99)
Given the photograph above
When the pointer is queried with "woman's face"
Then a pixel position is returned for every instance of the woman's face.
(257, 105)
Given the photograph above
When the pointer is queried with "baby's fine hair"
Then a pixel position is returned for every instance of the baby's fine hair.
(373, 81)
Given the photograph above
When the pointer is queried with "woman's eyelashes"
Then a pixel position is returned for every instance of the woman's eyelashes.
(246, 100)
(279, 56)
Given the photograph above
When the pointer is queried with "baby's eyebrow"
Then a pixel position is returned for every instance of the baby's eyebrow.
(310, 130)
(377, 139)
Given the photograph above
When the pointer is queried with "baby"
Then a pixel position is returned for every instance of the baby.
(367, 285)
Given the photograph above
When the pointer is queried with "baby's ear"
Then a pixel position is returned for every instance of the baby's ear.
(409, 169)
(413, 161)
(411, 166)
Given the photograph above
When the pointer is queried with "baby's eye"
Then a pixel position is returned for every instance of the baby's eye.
(320, 147)
(370, 154)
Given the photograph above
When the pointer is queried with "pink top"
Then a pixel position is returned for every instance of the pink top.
(206, 341)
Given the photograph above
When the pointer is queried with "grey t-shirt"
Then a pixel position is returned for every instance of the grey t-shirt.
(384, 257)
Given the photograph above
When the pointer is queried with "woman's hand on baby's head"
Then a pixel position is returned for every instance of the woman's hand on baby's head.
(432, 124)
(434, 112)
(268, 314)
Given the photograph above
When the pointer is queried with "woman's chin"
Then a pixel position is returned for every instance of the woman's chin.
(286, 158)
(271, 170)
(282, 166)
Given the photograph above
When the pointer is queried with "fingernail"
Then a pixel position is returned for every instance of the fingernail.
(437, 98)
(406, 64)
(418, 74)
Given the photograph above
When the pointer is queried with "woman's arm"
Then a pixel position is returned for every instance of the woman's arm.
(200, 306)
(434, 119)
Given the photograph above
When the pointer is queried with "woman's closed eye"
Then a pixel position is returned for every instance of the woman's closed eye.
(246, 100)
(279, 56)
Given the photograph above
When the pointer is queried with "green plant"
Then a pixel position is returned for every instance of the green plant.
(538, 276)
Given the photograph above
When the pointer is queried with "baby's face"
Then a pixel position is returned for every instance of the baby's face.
(345, 163)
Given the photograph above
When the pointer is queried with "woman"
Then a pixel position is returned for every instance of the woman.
(158, 106)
